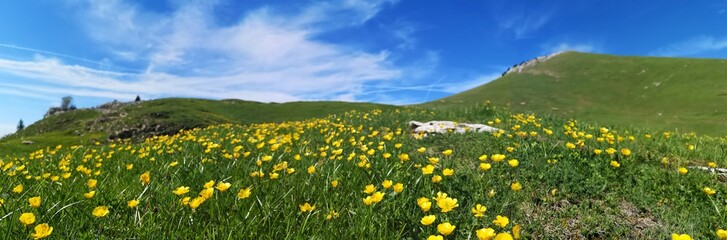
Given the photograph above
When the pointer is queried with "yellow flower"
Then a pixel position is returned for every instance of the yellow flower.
(436, 178)
(435, 237)
(428, 220)
(675, 236)
(194, 203)
(722, 234)
(683, 170)
(485, 166)
(447, 152)
(184, 201)
(387, 184)
(483, 157)
(491, 193)
(244, 193)
(332, 214)
(503, 236)
(91, 183)
(369, 189)
(34, 201)
(513, 163)
(18, 188)
(497, 157)
(570, 145)
(597, 151)
(145, 178)
(433, 160)
(615, 164)
(334, 183)
(311, 169)
(516, 186)
(403, 157)
(610, 151)
(132, 203)
(445, 228)
(479, 210)
(306, 207)
(181, 190)
(712, 164)
(709, 191)
(172, 164)
(223, 186)
(207, 193)
(447, 204)
(209, 184)
(100, 211)
(368, 200)
(424, 203)
(377, 197)
(447, 172)
(421, 149)
(516, 231)
(429, 169)
(399, 187)
(90, 194)
(42, 230)
(626, 152)
(501, 221)
(485, 233)
(27, 218)
(129, 166)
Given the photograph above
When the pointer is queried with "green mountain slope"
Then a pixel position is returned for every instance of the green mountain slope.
(163, 116)
(656, 93)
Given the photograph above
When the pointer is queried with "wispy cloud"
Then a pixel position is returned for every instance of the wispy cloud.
(693, 46)
(266, 56)
(566, 46)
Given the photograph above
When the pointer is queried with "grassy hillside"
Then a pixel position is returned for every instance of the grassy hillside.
(164, 116)
(656, 93)
(360, 175)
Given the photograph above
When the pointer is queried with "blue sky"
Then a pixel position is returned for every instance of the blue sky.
(386, 51)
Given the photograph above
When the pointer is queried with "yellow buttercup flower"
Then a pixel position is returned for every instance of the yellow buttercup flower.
(42, 231)
(615, 164)
(570, 145)
(513, 163)
(387, 184)
(479, 210)
(429, 169)
(100, 211)
(223, 186)
(497, 157)
(209, 184)
(244, 193)
(722, 234)
(626, 152)
(516, 231)
(132, 203)
(447, 152)
(448, 172)
(683, 170)
(435, 237)
(424, 203)
(421, 149)
(709, 191)
(207, 193)
(399, 187)
(369, 189)
(428, 220)
(516, 186)
(436, 178)
(485, 166)
(18, 188)
(485, 233)
(447, 204)
(334, 183)
(89, 194)
(181, 190)
(501, 221)
(34, 201)
(145, 178)
(311, 169)
(445, 228)
(306, 207)
(27, 218)
(675, 236)
(503, 236)
(194, 203)
(91, 183)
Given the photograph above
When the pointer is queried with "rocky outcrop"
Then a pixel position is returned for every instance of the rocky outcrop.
(431, 127)
(518, 68)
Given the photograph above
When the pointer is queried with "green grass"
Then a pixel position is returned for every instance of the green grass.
(170, 114)
(645, 92)
(579, 196)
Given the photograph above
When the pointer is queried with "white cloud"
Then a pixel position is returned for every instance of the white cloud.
(266, 56)
(693, 46)
(560, 47)
(523, 25)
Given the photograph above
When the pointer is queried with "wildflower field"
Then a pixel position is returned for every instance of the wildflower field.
(363, 175)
